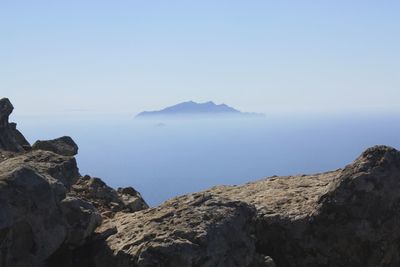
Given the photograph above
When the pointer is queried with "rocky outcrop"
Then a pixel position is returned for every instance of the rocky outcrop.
(34, 211)
(107, 200)
(40, 210)
(194, 230)
(348, 217)
(10, 138)
(343, 218)
(63, 146)
(42, 215)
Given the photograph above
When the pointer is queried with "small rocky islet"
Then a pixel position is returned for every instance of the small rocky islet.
(51, 215)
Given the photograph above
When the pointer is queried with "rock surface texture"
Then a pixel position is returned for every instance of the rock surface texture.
(348, 217)
(50, 215)
(41, 213)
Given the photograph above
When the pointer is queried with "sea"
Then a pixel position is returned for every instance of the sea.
(166, 158)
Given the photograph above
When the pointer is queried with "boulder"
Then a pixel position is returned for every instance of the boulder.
(63, 146)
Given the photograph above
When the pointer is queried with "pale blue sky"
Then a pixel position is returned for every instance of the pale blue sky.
(262, 56)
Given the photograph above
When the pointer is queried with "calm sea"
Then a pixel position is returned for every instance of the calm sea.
(163, 159)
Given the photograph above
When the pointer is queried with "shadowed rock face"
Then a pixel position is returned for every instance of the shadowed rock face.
(10, 138)
(34, 210)
(6, 108)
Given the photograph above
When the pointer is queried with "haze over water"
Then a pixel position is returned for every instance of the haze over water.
(281, 58)
(164, 159)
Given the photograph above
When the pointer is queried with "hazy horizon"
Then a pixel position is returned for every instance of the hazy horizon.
(185, 156)
(99, 57)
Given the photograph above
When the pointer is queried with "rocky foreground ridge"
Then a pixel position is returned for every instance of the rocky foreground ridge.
(51, 215)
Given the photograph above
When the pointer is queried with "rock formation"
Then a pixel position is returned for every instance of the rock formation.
(41, 212)
(63, 146)
(10, 138)
(194, 230)
(347, 217)
(107, 200)
(50, 215)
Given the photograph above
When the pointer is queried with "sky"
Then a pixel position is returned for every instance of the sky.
(123, 57)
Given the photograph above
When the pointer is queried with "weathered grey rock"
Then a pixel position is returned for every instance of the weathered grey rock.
(348, 217)
(36, 218)
(42, 217)
(62, 168)
(63, 146)
(30, 224)
(195, 230)
(81, 218)
(10, 138)
(131, 199)
(107, 200)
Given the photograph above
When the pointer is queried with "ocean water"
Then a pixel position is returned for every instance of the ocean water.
(164, 159)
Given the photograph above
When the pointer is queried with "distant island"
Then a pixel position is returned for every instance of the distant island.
(193, 109)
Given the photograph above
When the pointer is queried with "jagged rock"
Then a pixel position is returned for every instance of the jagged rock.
(131, 199)
(6, 108)
(107, 200)
(10, 138)
(63, 146)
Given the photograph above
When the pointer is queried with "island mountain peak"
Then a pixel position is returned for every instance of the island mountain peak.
(191, 108)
